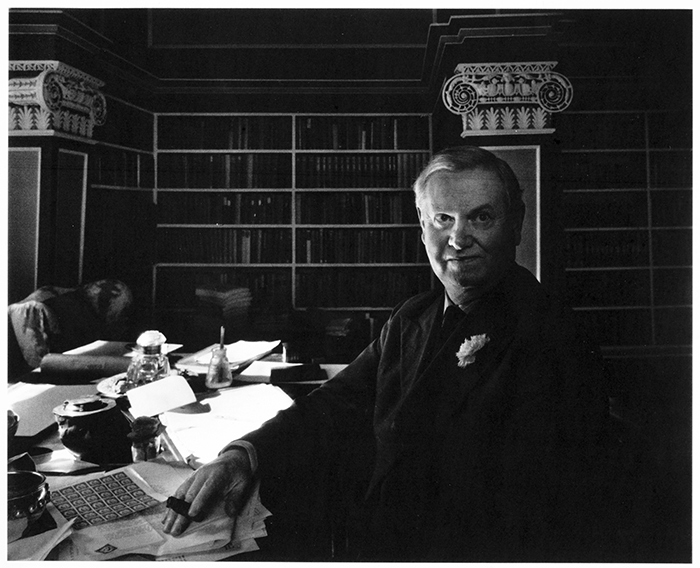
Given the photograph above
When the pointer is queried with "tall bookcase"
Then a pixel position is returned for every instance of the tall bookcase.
(628, 227)
(308, 211)
(119, 218)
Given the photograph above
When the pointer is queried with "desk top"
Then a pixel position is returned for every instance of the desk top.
(34, 396)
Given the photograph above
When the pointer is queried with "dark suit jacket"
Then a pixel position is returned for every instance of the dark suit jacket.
(495, 461)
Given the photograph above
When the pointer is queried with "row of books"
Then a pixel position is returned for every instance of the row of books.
(275, 132)
(606, 248)
(356, 208)
(610, 209)
(224, 132)
(359, 287)
(272, 289)
(337, 208)
(358, 170)
(242, 246)
(360, 246)
(177, 287)
(224, 208)
(618, 327)
(272, 246)
(596, 249)
(640, 327)
(609, 288)
(230, 303)
(672, 208)
(362, 133)
(121, 168)
(602, 170)
(198, 170)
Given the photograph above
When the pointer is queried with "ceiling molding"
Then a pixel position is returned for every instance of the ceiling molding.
(466, 30)
(411, 68)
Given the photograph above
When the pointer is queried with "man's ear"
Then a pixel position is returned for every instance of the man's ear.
(420, 215)
(518, 219)
(422, 224)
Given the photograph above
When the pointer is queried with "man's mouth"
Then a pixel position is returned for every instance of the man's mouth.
(464, 258)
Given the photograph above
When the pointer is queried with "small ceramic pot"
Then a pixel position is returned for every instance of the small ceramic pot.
(94, 430)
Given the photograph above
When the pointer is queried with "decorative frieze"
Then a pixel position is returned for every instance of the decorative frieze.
(506, 98)
(60, 98)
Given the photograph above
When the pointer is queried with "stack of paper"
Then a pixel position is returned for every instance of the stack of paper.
(216, 537)
(261, 371)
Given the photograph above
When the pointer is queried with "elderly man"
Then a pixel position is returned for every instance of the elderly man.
(486, 404)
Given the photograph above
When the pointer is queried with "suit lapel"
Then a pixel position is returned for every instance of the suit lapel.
(418, 340)
(418, 334)
(418, 331)
(456, 383)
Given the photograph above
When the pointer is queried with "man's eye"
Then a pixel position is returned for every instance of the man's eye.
(483, 219)
(442, 219)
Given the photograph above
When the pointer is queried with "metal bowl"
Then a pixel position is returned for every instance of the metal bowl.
(12, 424)
(27, 496)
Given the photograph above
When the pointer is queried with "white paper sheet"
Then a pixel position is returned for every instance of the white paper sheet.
(34, 403)
(37, 547)
(238, 354)
(116, 348)
(201, 430)
(160, 396)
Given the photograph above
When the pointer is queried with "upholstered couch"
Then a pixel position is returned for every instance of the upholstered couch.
(53, 319)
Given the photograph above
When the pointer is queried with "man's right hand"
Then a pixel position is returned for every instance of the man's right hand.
(226, 478)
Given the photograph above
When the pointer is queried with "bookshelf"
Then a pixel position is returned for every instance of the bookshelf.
(121, 168)
(310, 212)
(119, 217)
(628, 228)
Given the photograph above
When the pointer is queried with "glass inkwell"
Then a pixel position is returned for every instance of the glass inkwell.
(149, 363)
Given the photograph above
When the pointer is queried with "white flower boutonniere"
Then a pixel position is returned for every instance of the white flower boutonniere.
(468, 349)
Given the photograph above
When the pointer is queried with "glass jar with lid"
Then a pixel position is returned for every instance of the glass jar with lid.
(149, 363)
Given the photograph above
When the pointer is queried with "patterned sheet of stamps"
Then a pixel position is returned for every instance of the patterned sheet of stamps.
(100, 500)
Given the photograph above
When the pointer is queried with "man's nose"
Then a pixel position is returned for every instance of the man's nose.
(461, 234)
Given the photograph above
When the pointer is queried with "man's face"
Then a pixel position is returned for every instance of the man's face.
(469, 236)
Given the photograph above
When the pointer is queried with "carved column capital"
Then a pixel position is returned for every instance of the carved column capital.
(60, 98)
(506, 98)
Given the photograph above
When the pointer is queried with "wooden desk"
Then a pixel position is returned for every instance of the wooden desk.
(48, 444)
(46, 441)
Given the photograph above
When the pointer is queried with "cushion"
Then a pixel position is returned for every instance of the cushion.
(54, 319)
(33, 324)
(46, 292)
